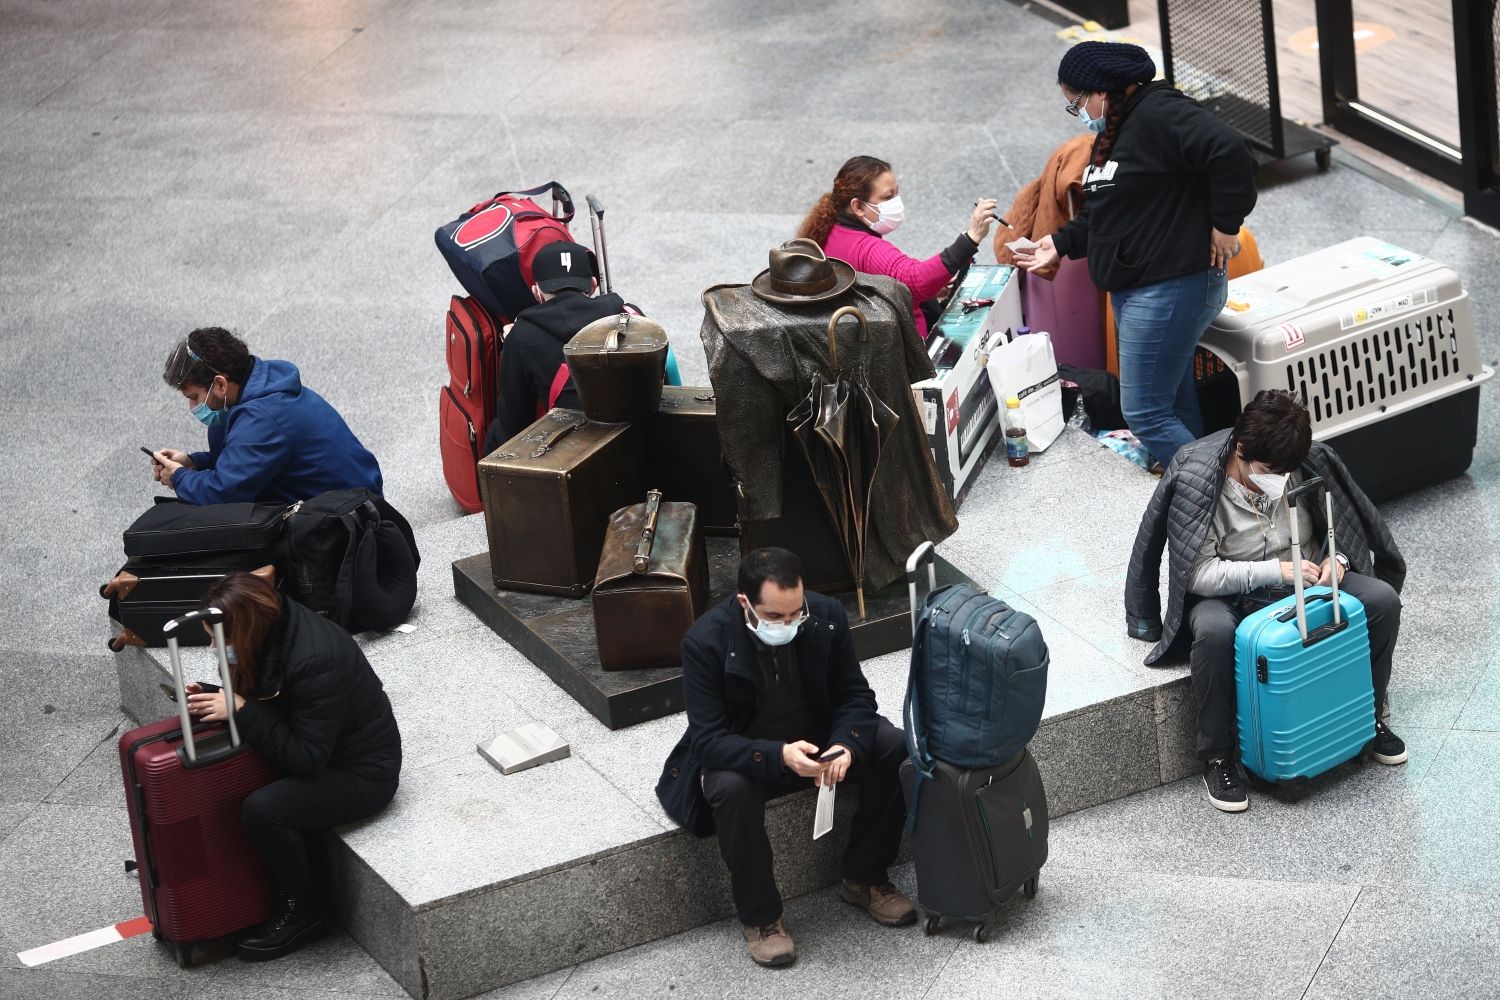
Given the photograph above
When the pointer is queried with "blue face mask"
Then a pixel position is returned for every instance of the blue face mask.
(1094, 125)
(209, 416)
(775, 633)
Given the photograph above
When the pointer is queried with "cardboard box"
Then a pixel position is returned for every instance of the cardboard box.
(959, 408)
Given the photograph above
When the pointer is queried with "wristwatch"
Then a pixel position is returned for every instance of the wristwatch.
(1343, 560)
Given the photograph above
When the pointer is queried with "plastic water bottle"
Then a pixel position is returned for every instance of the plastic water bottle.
(1017, 450)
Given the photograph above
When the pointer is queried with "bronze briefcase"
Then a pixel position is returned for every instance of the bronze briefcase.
(683, 459)
(618, 364)
(652, 584)
(548, 493)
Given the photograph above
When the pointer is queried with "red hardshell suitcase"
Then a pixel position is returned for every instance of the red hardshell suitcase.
(467, 404)
(185, 784)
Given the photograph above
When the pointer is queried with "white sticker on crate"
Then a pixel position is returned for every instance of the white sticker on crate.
(1390, 307)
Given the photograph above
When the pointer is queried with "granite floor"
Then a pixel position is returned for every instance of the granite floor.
(278, 167)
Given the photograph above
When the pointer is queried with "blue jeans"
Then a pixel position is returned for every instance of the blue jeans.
(1158, 326)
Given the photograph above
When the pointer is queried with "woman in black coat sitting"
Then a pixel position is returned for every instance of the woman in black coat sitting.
(308, 701)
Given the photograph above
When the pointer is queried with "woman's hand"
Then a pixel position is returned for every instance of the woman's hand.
(1324, 579)
(1041, 260)
(979, 221)
(1310, 572)
(210, 707)
(1221, 248)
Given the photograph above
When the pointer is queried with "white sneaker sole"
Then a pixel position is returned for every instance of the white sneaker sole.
(1388, 759)
(1221, 805)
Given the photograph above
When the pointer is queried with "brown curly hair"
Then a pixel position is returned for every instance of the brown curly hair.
(856, 178)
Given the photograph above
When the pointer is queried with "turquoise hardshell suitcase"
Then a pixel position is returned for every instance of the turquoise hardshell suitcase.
(1304, 698)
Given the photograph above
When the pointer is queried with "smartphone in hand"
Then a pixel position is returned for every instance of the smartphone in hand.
(151, 454)
(833, 754)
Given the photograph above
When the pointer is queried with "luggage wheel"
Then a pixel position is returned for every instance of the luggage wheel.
(1029, 887)
(981, 932)
(1294, 790)
(184, 955)
(932, 924)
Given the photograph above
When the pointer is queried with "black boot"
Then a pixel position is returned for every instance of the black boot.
(296, 925)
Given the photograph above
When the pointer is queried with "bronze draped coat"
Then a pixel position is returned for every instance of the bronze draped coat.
(761, 359)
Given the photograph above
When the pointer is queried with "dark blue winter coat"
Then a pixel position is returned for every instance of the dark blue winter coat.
(279, 442)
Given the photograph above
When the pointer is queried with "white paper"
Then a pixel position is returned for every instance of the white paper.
(1019, 244)
(823, 818)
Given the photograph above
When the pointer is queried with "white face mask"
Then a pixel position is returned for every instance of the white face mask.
(774, 633)
(892, 214)
(1273, 485)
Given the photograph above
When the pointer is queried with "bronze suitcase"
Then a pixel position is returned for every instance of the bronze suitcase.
(618, 364)
(683, 459)
(652, 584)
(548, 493)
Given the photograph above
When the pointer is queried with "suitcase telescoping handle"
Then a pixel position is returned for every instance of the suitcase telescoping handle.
(642, 560)
(215, 618)
(601, 252)
(925, 553)
(1338, 624)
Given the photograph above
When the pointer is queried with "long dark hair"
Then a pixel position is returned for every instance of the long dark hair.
(251, 606)
(856, 179)
(1112, 119)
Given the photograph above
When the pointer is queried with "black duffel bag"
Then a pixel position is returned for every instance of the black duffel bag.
(351, 556)
(173, 528)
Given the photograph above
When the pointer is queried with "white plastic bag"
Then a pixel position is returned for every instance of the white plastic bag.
(1027, 368)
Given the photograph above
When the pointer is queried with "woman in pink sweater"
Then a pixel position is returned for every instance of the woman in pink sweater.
(851, 223)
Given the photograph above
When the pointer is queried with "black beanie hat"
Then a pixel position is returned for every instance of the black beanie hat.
(1104, 67)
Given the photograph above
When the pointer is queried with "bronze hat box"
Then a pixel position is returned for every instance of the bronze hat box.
(618, 364)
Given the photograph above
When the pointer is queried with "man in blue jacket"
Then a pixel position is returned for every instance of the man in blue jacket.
(269, 438)
(776, 702)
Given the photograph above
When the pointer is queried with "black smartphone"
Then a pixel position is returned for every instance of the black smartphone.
(833, 754)
(150, 454)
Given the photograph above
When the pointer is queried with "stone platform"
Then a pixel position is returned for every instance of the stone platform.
(557, 634)
(472, 879)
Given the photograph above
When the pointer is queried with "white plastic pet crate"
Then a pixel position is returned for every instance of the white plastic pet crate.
(1367, 334)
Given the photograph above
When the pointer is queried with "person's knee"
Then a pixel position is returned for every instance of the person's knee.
(730, 791)
(1213, 627)
(1380, 600)
(259, 812)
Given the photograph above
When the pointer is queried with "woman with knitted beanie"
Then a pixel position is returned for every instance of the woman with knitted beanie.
(1165, 194)
(851, 223)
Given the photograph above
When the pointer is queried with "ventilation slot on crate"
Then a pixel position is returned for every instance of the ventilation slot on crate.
(1377, 369)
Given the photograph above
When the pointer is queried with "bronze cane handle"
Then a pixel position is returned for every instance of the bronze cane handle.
(648, 533)
(833, 322)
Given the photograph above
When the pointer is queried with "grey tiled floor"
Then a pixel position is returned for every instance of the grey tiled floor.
(279, 168)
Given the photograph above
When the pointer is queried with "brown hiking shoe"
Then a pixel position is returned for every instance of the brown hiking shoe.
(884, 902)
(770, 944)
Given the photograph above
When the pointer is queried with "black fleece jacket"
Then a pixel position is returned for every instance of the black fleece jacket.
(532, 353)
(318, 703)
(1176, 171)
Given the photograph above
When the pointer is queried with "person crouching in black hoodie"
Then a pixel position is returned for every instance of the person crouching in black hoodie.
(531, 358)
(306, 700)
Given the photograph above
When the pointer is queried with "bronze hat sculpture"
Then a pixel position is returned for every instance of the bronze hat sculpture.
(800, 273)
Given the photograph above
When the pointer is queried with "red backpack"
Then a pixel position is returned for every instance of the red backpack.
(491, 246)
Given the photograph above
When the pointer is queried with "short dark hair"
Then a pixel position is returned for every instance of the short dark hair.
(770, 563)
(204, 353)
(1274, 429)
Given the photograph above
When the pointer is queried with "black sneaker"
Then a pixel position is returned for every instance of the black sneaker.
(1226, 791)
(1386, 747)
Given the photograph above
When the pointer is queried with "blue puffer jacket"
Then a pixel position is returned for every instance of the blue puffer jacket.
(280, 442)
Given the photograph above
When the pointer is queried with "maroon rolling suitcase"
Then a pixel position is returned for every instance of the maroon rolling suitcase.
(185, 783)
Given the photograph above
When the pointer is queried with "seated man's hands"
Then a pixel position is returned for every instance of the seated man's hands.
(1324, 579)
(1311, 571)
(837, 769)
(801, 758)
(168, 461)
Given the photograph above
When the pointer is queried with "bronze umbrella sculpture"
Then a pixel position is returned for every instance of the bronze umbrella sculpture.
(842, 428)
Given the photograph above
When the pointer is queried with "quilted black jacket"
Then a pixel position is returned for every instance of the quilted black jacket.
(1182, 509)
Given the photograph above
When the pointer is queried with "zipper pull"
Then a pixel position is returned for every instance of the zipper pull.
(966, 637)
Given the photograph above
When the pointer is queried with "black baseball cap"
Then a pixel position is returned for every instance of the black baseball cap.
(561, 265)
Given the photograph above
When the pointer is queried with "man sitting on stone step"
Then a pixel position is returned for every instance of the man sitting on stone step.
(776, 702)
(1219, 507)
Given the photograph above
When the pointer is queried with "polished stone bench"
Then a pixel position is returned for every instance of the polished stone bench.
(472, 879)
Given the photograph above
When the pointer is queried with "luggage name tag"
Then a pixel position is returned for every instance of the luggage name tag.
(823, 817)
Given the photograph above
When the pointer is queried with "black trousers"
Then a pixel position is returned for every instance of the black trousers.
(739, 806)
(1212, 622)
(277, 817)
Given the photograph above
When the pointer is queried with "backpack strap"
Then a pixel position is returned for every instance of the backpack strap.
(559, 383)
